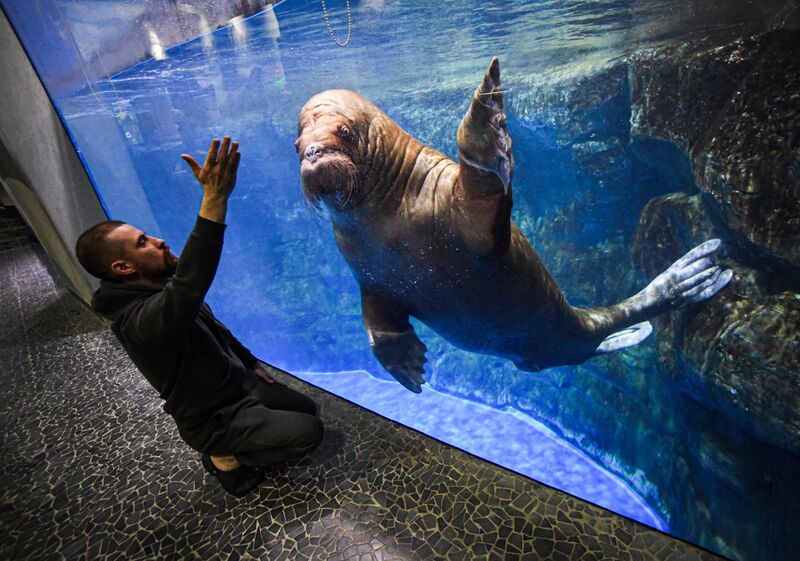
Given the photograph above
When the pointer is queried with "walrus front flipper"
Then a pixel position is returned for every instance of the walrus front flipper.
(483, 191)
(483, 141)
(393, 340)
(402, 355)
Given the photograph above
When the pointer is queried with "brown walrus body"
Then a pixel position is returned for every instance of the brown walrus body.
(431, 238)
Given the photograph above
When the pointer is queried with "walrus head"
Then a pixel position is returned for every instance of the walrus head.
(333, 145)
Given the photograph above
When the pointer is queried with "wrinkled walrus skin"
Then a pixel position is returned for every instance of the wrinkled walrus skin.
(431, 238)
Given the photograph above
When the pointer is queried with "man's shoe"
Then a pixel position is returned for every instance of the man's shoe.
(238, 482)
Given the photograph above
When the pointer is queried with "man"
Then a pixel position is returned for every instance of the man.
(223, 401)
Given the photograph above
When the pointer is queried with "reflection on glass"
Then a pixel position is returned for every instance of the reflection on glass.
(271, 26)
(238, 31)
(156, 50)
(206, 37)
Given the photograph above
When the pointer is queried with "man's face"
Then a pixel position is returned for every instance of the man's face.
(145, 257)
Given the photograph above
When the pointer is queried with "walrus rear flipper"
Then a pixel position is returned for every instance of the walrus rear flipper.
(689, 280)
(625, 338)
(393, 340)
(483, 191)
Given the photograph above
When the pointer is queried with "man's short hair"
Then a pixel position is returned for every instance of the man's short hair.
(96, 252)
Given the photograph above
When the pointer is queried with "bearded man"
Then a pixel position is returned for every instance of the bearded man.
(223, 401)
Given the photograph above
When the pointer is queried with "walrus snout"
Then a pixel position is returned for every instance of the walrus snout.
(312, 152)
(328, 174)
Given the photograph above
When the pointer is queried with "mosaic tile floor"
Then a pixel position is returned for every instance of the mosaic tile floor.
(93, 469)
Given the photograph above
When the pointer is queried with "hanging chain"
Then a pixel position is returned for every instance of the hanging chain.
(330, 29)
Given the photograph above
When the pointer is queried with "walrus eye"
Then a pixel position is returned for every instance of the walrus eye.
(297, 145)
(345, 132)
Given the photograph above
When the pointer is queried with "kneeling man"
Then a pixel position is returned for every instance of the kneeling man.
(223, 401)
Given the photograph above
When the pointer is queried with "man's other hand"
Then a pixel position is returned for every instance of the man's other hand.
(261, 372)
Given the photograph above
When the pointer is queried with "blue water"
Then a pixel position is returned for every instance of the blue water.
(282, 286)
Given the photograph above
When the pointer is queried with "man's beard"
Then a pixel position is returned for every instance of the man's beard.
(163, 272)
(170, 264)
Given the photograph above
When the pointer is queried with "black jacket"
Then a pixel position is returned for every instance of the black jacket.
(193, 360)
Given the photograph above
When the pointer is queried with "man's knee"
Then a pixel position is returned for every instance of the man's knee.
(313, 431)
(308, 434)
(301, 403)
(309, 406)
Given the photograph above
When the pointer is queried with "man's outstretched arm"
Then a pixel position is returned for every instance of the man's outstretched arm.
(178, 304)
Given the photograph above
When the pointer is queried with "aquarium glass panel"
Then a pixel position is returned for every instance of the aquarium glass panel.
(605, 108)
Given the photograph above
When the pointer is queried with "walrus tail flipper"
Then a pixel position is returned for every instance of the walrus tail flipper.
(689, 280)
(627, 337)
(483, 191)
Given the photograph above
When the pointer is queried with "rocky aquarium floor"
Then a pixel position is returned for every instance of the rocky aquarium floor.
(93, 469)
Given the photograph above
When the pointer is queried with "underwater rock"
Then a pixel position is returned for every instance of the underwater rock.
(701, 419)
(737, 353)
(735, 110)
(727, 489)
(590, 272)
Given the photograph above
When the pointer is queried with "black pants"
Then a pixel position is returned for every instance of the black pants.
(276, 425)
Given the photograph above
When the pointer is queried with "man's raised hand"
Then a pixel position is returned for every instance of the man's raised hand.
(217, 177)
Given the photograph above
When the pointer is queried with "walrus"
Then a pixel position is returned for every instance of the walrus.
(433, 239)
